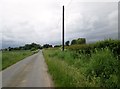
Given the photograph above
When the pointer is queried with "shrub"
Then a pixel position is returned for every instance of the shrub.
(103, 65)
(78, 69)
(33, 49)
(113, 45)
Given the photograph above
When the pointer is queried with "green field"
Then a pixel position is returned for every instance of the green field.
(0, 60)
(11, 57)
(72, 69)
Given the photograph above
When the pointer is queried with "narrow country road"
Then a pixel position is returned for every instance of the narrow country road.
(30, 72)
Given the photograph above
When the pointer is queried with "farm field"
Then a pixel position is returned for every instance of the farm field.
(11, 57)
(95, 65)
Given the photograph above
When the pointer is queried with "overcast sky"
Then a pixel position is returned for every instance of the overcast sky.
(26, 21)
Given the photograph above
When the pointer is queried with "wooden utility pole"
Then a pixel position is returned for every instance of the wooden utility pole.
(63, 31)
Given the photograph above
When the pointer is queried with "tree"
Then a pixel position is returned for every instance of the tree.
(81, 41)
(67, 43)
(10, 48)
(31, 46)
(73, 42)
(57, 46)
(47, 46)
(78, 41)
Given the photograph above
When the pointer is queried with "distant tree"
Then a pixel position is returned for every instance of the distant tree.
(81, 41)
(57, 46)
(27, 47)
(21, 47)
(16, 48)
(5, 49)
(47, 46)
(32, 49)
(78, 41)
(40, 47)
(67, 43)
(32, 46)
(73, 42)
(10, 48)
(50, 46)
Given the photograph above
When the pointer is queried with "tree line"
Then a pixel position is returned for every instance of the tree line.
(34, 46)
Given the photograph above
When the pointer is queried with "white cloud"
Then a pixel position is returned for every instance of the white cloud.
(25, 21)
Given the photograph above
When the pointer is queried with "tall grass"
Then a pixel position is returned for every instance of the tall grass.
(0, 60)
(11, 57)
(71, 69)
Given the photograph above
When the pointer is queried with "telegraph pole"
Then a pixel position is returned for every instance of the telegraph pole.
(63, 30)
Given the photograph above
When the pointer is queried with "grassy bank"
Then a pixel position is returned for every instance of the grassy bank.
(11, 57)
(70, 69)
(0, 60)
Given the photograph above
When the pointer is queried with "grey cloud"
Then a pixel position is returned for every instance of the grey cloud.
(38, 21)
(100, 24)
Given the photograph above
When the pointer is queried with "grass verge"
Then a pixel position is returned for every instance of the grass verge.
(11, 57)
(70, 69)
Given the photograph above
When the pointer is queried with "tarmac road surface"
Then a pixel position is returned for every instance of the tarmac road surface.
(30, 72)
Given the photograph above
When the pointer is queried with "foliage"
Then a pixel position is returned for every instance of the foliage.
(11, 57)
(67, 43)
(31, 46)
(78, 41)
(63, 74)
(73, 42)
(0, 60)
(73, 69)
(57, 46)
(47, 46)
(113, 45)
(25, 47)
(81, 41)
(104, 66)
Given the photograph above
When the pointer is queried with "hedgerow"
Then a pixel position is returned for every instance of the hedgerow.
(113, 45)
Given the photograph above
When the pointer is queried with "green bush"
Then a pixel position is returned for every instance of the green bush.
(113, 45)
(103, 66)
(97, 64)
(33, 49)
